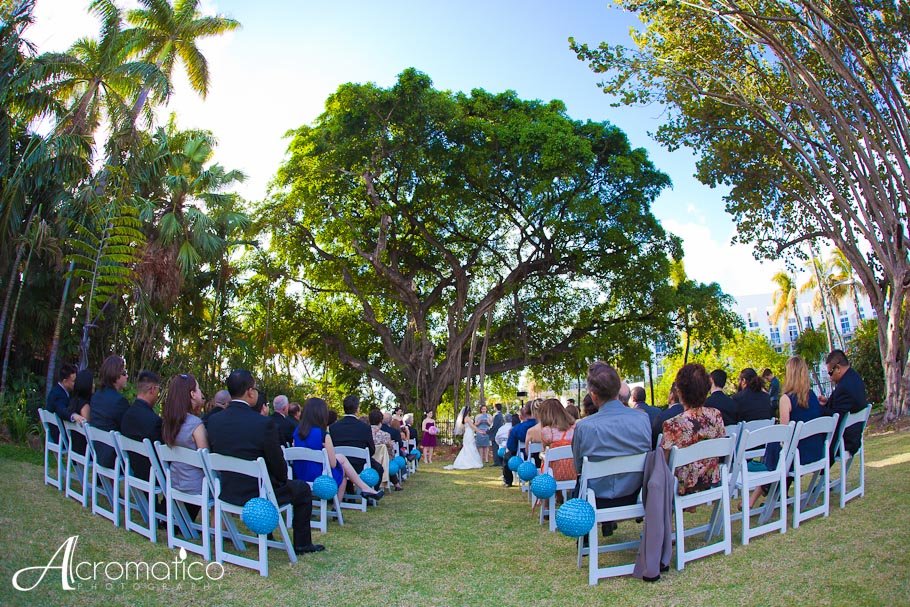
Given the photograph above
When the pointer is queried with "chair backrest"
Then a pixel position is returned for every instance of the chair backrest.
(768, 434)
(128, 446)
(72, 428)
(860, 417)
(355, 452)
(304, 454)
(105, 437)
(191, 457)
(554, 454)
(819, 425)
(756, 424)
(732, 430)
(623, 464)
(533, 448)
(721, 448)
(50, 420)
(217, 463)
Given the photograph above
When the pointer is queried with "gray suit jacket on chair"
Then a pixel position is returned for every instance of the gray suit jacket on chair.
(613, 431)
(657, 538)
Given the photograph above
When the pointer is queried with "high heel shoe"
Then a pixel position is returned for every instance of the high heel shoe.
(373, 496)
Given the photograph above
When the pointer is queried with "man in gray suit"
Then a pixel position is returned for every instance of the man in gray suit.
(613, 431)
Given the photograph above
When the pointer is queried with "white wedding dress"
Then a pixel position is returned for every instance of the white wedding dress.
(469, 457)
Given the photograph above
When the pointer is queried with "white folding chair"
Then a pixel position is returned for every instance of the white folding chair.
(752, 426)
(719, 448)
(176, 501)
(355, 501)
(548, 507)
(747, 480)
(256, 469)
(142, 493)
(845, 460)
(105, 480)
(303, 454)
(593, 470)
(78, 465)
(412, 463)
(56, 447)
(530, 450)
(819, 469)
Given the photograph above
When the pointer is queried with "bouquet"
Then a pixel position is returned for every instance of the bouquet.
(433, 430)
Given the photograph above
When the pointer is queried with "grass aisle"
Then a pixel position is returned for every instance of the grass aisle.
(460, 538)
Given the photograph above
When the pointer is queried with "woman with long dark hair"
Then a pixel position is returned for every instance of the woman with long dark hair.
(80, 405)
(312, 433)
(751, 401)
(181, 426)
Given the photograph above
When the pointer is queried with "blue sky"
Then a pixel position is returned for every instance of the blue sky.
(275, 73)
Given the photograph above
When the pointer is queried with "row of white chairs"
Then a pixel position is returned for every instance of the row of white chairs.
(744, 442)
(116, 489)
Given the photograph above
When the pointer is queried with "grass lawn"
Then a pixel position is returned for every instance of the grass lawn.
(460, 538)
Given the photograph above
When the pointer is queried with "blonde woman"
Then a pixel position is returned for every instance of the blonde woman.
(798, 403)
(557, 427)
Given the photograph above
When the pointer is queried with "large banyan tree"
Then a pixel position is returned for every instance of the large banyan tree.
(435, 236)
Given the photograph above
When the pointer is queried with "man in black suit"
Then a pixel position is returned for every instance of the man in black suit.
(849, 396)
(349, 431)
(498, 421)
(140, 421)
(719, 400)
(58, 399)
(638, 402)
(240, 431)
(286, 425)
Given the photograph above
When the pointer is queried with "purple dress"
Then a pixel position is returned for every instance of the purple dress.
(428, 440)
(309, 471)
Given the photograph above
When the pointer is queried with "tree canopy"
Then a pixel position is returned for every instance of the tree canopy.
(801, 109)
(406, 215)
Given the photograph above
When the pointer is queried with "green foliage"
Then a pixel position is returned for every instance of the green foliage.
(866, 357)
(812, 345)
(745, 349)
(14, 413)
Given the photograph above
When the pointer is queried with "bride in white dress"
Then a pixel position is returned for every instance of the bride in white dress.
(469, 457)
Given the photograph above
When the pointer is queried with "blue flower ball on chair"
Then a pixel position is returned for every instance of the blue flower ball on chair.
(402, 462)
(416, 452)
(543, 486)
(575, 518)
(527, 471)
(260, 515)
(502, 452)
(515, 462)
(394, 468)
(370, 477)
(325, 487)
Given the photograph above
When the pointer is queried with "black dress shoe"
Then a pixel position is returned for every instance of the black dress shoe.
(309, 548)
(373, 496)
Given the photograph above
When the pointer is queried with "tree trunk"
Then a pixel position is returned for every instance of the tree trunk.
(686, 354)
(481, 397)
(470, 373)
(12, 322)
(55, 342)
(821, 293)
(892, 338)
(20, 251)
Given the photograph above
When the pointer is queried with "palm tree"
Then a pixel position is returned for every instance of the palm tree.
(844, 282)
(165, 33)
(820, 283)
(784, 300)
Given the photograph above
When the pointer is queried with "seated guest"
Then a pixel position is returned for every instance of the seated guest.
(613, 431)
(573, 410)
(240, 431)
(557, 427)
(502, 435)
(381, 438)
(140, 421)
(673, 409)
(333, 416)
(181, 426)
(638, 402)
(519, 434)
(624, 394)
(294, 412)
(108, 405)
(751, 401)
(79, 407)
(58, 399)
(312, 433)
(349, 431)
(262, 405)
(587, 406)
(719, 400)
(393, 432)
(217, 404)
(849, 396)
(799, 404)
(694, 424)
(286, 425)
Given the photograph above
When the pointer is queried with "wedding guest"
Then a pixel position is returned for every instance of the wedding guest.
(79, 407)
(58, 399)
(484, 422)
(312, 433)
(751, 401)
(696, 423)
(638, 402)
(573, 410)
(262, 405)
(108, 404)
(140, 421)
(286, 424)
(381, 438)
(333, 416)
(587, 406)
(502, 435)
(719, 400)
(516, 435)
(849, 396)
(428, 437)
(557, 427)
(181, 426)
(498, 421)
(294, 412)
(351, 431)
(217, 404)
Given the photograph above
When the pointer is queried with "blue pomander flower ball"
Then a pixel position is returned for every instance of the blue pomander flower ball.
(515, 462)
(543, 486)
(260, 515)
(575, 518)
(394, 468)
(502, 452)
(416, 452)
(527, 471)
(402, 462)
(325, 487)
(369, 476)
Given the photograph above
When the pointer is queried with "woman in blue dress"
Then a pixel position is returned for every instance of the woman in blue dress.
(798, 403)
(312, 433)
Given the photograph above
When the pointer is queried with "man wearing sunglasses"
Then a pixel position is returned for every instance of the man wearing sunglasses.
(849, 396)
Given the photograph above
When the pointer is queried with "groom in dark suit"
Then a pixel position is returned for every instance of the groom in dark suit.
(240, 431)
(349, 431)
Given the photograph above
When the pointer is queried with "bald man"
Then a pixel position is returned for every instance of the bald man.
(286, 425)
(219, 402)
